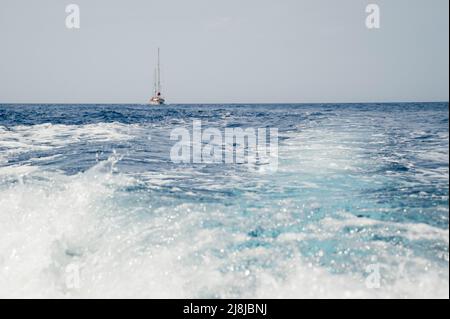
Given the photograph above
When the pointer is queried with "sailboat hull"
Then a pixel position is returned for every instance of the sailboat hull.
(157, 101)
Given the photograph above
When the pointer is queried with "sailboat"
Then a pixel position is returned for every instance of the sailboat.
(157, 98)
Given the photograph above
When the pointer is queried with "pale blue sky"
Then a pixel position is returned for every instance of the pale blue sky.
(224, 51)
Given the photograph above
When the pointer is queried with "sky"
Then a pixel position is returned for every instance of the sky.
(224, 51)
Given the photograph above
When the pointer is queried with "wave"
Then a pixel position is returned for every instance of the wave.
(93, 207)
(127, 245)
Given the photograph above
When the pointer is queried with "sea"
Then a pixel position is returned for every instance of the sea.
(93, 206)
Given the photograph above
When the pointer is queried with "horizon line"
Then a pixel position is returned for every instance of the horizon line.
(219, 103)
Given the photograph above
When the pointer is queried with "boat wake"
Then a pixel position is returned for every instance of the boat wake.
(96, 210)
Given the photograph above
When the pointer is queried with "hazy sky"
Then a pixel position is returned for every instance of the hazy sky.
(217, 51)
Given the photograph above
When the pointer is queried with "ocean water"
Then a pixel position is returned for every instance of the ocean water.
(92, 206)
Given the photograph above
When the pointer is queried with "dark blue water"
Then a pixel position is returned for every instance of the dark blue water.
(357, 186)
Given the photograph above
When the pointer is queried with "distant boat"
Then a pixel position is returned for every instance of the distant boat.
(157, 98)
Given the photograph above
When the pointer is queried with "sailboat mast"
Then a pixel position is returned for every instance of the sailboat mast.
(159, 74)
(155, 82)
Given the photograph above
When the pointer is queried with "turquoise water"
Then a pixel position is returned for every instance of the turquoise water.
(92, 188)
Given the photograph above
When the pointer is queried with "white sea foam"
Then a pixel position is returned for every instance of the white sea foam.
(151, 242)
(52, 222)
(43, 137)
